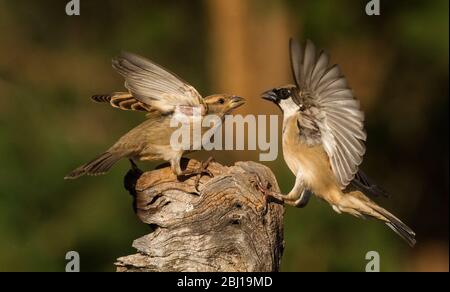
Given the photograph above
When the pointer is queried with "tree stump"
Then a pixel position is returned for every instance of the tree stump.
(226, 225)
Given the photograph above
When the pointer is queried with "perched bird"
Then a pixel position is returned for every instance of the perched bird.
(323, 140)
(164, 96)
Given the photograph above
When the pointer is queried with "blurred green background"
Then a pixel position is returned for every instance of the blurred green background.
(50, 63)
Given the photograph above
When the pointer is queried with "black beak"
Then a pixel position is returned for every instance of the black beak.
(270, 95)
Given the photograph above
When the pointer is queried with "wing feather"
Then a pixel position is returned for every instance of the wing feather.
(339, 118)
(122, 100)
(319, 69)
(295, 52)
(153, 85)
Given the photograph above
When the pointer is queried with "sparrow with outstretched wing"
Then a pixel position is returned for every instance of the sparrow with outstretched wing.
(163, 95)
(323, 140)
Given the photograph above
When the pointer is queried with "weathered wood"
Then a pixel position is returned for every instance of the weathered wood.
(225, 226)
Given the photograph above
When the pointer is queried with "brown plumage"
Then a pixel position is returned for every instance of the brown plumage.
(323, 140)
(163, 96)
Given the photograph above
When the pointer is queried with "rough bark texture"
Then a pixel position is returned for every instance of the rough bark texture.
(225, 226)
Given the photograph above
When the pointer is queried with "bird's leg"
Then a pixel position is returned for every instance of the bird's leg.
(297, 197)
(134, 167)
(302, 200)
(203, 169)
(132, 176)
(265, 189)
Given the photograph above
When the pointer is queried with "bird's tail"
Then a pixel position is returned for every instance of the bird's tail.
(357, 204)
(99, 165)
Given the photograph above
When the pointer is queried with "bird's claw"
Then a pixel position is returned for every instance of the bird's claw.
(268, 194)
(301, 202)
(203, 169)
(198, 172)
(259, 184)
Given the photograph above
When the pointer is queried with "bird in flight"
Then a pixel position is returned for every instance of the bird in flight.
(163, 96)
(323, 140)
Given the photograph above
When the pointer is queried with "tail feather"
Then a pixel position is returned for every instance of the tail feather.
(398, 226)
(357, 204)
(97, 166)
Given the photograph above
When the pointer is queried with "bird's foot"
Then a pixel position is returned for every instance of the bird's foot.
(203, 169)
(269, 195)
(265, 189)
(199, 172)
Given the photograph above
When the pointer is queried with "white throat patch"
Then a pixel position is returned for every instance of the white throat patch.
(289, 108)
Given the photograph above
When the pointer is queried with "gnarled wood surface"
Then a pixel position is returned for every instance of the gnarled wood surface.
(226, 226)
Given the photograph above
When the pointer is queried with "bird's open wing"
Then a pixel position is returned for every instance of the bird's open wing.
(337, 113)
(122, 100)
(153, 85)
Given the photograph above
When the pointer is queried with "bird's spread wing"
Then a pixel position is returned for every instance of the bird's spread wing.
(122, 100)
(333, 107)
(153, 85)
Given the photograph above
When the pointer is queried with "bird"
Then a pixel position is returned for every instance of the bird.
(163, 96)
(323, 140)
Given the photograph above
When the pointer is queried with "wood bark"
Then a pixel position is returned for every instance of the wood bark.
(227, 225)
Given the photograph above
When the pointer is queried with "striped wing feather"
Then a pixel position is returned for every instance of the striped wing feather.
(154, 85)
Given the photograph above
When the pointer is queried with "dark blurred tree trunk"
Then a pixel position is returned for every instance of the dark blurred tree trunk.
(248, 53)
(249, 45)
(225, 226)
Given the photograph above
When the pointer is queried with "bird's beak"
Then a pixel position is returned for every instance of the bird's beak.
(236, 101)
(271, 96)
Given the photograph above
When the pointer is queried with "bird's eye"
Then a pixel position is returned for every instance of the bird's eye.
(284, 93)
(221, 101)
(302, 107)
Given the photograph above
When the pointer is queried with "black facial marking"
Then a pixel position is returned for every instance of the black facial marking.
(283, 93)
